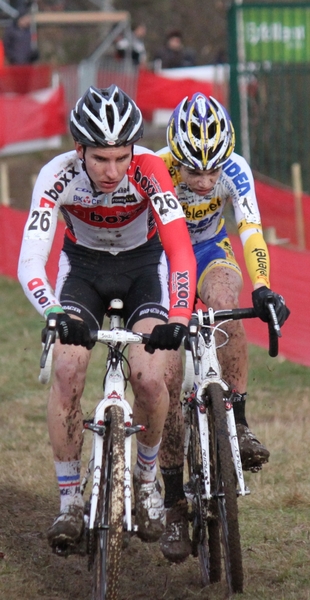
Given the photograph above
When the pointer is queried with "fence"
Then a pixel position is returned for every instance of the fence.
(109, 71)
(293, 347)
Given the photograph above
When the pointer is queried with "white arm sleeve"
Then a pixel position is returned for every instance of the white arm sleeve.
(36, 245)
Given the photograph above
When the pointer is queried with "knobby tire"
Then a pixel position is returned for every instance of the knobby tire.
(109, 521)
(223, 488)
(206, 539)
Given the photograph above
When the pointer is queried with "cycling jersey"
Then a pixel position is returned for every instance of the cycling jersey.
(127, 218)
(204, 214)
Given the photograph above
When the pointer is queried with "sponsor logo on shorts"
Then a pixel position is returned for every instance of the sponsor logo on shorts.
(154, 312)
(71, 308)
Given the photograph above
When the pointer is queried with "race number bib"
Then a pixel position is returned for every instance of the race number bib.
(248, 210)
(167, 207)
(39, 224)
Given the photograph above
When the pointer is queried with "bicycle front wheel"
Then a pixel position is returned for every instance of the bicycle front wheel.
(223, 488)
(109, 520)
(206, 537)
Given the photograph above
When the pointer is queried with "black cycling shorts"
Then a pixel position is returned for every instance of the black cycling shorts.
(89, 279)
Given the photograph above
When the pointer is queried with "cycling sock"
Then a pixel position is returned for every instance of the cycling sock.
(145, 468)
(173, 480)
(238, 401)
(68, 476)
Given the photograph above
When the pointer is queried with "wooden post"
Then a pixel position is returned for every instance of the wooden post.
(79, 18)
(299, 218)
(4, 184)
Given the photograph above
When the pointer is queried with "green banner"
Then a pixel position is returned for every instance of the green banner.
(277, 34)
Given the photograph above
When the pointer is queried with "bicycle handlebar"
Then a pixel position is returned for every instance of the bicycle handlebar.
(122, 336)
(112, 336)
(235, 314)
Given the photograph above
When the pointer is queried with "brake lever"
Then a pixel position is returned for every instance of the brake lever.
(49, 341)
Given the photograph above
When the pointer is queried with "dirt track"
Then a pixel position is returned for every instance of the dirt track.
(33, 569)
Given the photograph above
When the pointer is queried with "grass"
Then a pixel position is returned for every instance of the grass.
(274, 518)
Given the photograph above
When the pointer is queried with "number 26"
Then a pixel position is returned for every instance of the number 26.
(166, 200)
(40, 220)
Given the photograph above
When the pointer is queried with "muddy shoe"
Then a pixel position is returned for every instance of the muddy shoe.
(175, 542)
(149, 509)
(67, 527)
(253, 453)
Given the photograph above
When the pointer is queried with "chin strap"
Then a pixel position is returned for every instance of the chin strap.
(94, 191)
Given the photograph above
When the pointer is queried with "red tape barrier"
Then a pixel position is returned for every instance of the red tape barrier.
(289, 277)
(40, 114)
(155, 91)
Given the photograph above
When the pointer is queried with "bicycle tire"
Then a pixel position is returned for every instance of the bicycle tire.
(110, 511)
(223, 488)
(206, 537)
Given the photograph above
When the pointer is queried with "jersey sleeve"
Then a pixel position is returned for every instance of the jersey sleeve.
(176, 242)
(249, 225)
(37, 241)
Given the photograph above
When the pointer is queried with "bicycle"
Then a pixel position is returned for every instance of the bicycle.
(108, 511)
(211, 448)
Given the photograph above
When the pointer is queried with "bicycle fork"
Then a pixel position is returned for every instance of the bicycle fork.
(193, 403)
(114, 396)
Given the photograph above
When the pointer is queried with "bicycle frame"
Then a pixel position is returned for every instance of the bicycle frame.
(208, 370)
(211, 449)
(114, 395)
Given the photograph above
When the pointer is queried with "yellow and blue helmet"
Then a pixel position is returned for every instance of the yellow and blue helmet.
(200, 134)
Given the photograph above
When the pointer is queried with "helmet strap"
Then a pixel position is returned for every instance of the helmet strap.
(94, 191)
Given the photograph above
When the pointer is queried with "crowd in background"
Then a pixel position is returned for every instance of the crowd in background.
(20, 43)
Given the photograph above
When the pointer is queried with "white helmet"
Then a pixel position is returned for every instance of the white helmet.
(106, 117)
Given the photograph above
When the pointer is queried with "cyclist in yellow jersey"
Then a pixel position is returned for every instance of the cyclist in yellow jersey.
(207, 174)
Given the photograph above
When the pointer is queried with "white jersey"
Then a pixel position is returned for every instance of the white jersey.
(204, 214)
(143, 203)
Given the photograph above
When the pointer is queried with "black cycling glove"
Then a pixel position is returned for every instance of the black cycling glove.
(166, 337)
(263, 296)
(70, 331)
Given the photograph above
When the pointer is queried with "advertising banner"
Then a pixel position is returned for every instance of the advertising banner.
(276, 33)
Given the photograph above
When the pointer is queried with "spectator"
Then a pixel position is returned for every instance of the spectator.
(17, 40)
(135, 43)
(174, 54)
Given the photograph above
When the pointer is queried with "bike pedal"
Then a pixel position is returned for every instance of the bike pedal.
(256, 468)
(67, 549)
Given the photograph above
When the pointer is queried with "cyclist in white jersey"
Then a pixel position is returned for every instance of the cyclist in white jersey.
(117, 200)
(207, 174)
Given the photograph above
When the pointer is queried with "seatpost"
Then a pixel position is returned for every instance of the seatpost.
(115, 313)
